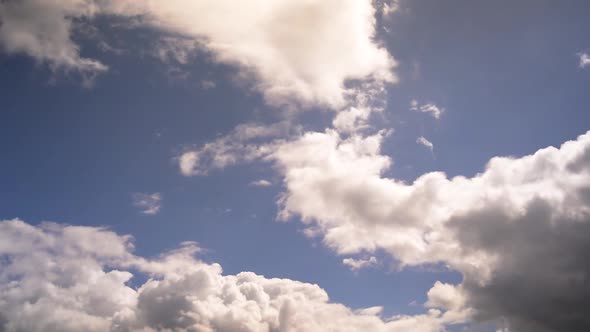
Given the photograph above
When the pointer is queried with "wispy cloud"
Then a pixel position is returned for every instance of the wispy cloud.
(425, 142)
(430, 108)
(357, 264)
(261, 183)
(147, 203)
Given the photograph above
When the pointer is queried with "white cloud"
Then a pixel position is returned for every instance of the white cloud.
(298, 51)
(261, 183)
(351, 120)
(149, 204)
(584, 59)
(491, 228)
(423, 141)
(429, 108)
(235, 147)
(56, 277)
(42, 29)
(357, 264)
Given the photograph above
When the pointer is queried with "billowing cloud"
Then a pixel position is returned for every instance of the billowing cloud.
(147, 203)
(56, 277)
(493, 228)
(297, 51)
(423, 141)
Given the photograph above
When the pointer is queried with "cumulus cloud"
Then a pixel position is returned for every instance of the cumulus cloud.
(429, 108)
(423, 141)
(492, 227)
(149, 204)
(56, 277)
(297, 51)
(584, 59)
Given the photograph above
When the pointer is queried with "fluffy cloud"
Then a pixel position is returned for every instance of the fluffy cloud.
(55, 277)
(149, 204)
(518, 232)
(298, 51)
(584, 59)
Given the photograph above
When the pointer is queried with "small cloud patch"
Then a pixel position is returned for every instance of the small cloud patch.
(149, 204)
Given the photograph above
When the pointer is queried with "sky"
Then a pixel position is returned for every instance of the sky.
(289, 165)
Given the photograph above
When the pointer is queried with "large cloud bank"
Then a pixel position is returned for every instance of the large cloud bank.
(56, 277)
(297, 51)
(519, 232)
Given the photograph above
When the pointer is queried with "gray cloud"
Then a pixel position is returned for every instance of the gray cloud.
(540, 282)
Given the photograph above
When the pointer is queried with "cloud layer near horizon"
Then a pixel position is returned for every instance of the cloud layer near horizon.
(56, 277)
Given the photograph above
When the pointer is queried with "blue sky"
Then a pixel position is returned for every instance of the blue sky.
(81, 146)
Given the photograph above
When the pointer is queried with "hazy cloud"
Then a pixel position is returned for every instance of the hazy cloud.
(584, 59)
(149, 204)
(261, 183)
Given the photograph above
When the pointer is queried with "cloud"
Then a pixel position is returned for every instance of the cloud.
(584, 59)
(43, 31)
(261, 183)
(423, 141)
(235, 147)
(389, 7)
(56, 277)
(352, 120)
(429, 108)
(301, 52)
(149, 204)
(357, 264)
(492, 228)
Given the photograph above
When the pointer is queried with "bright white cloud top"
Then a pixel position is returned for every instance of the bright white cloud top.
(294, 50)
(64, 278)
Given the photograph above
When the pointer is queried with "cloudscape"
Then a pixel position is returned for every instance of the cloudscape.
(294, 165)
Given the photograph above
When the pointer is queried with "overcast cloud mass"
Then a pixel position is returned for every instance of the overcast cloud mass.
(303, 122)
